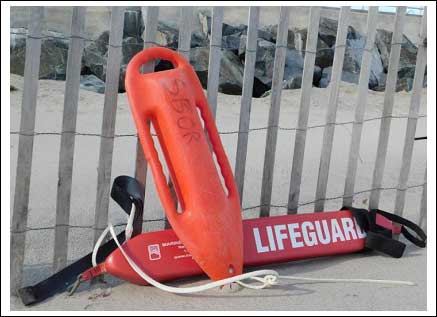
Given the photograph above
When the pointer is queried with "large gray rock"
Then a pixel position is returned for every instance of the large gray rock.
(326, 40)
(353, 58)
(227, 29)
(265, 57)
(231, 70)
(293, 70)
(345, 76)
(328, 30)
(404, 81)
(167, 35)
(383, 44)
(324, 53)
(54, 52)
(199, 39)
(133, 22)
(270, 32)
(407, 60)
(232, 42)
(96, 55)
(92, 83)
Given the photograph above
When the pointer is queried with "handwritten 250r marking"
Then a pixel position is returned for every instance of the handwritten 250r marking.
(182, 106)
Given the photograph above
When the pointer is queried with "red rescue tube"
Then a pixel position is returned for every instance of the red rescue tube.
(266, 240)
(210, 223)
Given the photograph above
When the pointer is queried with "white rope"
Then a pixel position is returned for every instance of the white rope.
(130, 223)
(346, 280)
(269, 277)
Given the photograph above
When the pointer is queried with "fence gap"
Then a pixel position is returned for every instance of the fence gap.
(305, 102)
(410, 133)
(390, 89)
(331, 113)
(246, 99)
(108, 123)
(275, 104)
(363, 86)
(25, 146)
(66, 155)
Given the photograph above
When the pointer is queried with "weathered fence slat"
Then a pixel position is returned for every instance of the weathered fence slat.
(25, 147)
(108, 123)
(275, 103)
(215, 55)
(423, 208)
(410, 133)
(328, 135)
(185, 26)
(363, 86)
(151, 24)
(184, 43)
(305, 99)
(66, 154)
(390, 89)
(246, 99)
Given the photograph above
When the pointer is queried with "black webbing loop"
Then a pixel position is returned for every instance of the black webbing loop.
(380, 238)
(419, 241)
(125, 191)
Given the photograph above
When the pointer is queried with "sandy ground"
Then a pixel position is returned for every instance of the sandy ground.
(287, 296)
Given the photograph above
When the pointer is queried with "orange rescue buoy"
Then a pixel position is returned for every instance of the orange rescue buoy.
(209, 223)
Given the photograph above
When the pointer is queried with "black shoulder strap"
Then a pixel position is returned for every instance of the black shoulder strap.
(125, 191)
(381, 239)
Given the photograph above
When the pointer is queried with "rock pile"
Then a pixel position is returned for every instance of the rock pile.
(55, 48)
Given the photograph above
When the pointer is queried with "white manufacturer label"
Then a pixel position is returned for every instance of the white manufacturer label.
(154, 252)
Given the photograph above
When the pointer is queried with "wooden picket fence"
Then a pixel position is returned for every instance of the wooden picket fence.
(151, 14)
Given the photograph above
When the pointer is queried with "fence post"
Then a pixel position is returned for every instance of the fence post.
(246, 99)
(150, 17)
(328, 135)
(305, 99)
(215, 55)
(410, 133)
(66, 155)
(390, 89)
(275, 104)
(185, 25)
(108, 122)
(25, 147)
(363, 86)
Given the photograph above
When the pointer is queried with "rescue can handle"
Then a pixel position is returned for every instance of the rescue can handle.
(152, 54)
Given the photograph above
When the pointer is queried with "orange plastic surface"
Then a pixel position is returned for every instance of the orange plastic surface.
(210, 223)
